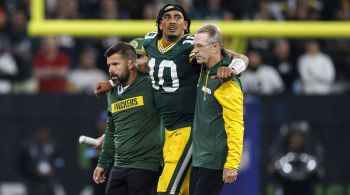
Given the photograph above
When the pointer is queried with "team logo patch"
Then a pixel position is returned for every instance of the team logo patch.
(206, 90)
(134, 44)
(127, 104)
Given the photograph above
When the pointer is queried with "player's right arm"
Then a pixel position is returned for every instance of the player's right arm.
(142, 64)
(102, 87)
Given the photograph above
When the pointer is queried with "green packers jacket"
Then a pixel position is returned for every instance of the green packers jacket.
(218, 122)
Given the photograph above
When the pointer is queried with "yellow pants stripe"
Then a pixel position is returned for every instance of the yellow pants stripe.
(177, 154)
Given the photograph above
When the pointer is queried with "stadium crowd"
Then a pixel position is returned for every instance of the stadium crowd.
(74, 65)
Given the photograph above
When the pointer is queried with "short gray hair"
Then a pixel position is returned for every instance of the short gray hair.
(213, 32)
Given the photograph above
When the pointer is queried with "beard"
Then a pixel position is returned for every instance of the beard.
(121, 79)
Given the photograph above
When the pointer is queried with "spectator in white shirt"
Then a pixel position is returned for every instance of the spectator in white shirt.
(260, 79)
(8, 70)
(83, 78)
(316, 70)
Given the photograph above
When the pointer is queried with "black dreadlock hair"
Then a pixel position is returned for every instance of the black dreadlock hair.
(170, 7)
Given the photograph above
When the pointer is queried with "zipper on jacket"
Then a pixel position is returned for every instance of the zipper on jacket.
(206, 84)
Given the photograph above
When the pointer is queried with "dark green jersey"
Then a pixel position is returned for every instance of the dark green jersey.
(174, 80)
(132, 136)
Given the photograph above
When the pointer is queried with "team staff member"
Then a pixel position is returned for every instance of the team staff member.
(132, 137)
(141, 64)
(218, 120)
(174, 76)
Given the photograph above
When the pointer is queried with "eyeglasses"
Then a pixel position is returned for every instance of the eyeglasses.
(200, 46)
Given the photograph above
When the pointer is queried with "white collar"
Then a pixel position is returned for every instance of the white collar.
(121, 89)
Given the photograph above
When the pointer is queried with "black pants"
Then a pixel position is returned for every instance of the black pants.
(205, 181)
(129, 181)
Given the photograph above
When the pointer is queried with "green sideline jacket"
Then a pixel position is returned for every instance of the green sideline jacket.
(218, 122)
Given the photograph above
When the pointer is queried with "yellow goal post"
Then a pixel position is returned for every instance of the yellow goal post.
(238, 30)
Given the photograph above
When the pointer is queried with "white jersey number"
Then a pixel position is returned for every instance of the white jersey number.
(162, 66)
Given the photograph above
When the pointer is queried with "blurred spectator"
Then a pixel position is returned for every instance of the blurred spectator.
(148, 11)
(39, 161)
(8, 70)
(296, 159)
(265, 11)
(13, 5)
(316, 70)
(240, 9)
(88, 8)
(69, 45)
(300, 12)
(261, 45)
(24, 82)
(64, 9)
(215, 11)
(303, 10)
(8, 66)
(84, 78)
(110, 9)
(4, 38)
(280, 59)
(51, 66)
(71, 8)
(260, 79)
(339, 49)
(342, 13)
(133, 8)
(190, 6)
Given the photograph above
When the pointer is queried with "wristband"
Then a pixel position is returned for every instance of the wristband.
(238, 64)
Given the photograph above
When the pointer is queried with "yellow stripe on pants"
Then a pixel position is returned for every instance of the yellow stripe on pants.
(173, 150)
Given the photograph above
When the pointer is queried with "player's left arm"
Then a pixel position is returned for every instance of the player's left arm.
(239, 61)
(142, 64)
(237, 65)
(230, 97)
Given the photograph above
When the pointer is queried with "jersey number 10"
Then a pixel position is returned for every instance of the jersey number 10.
(162, 66)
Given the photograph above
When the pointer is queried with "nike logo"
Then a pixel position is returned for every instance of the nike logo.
(229, 96)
